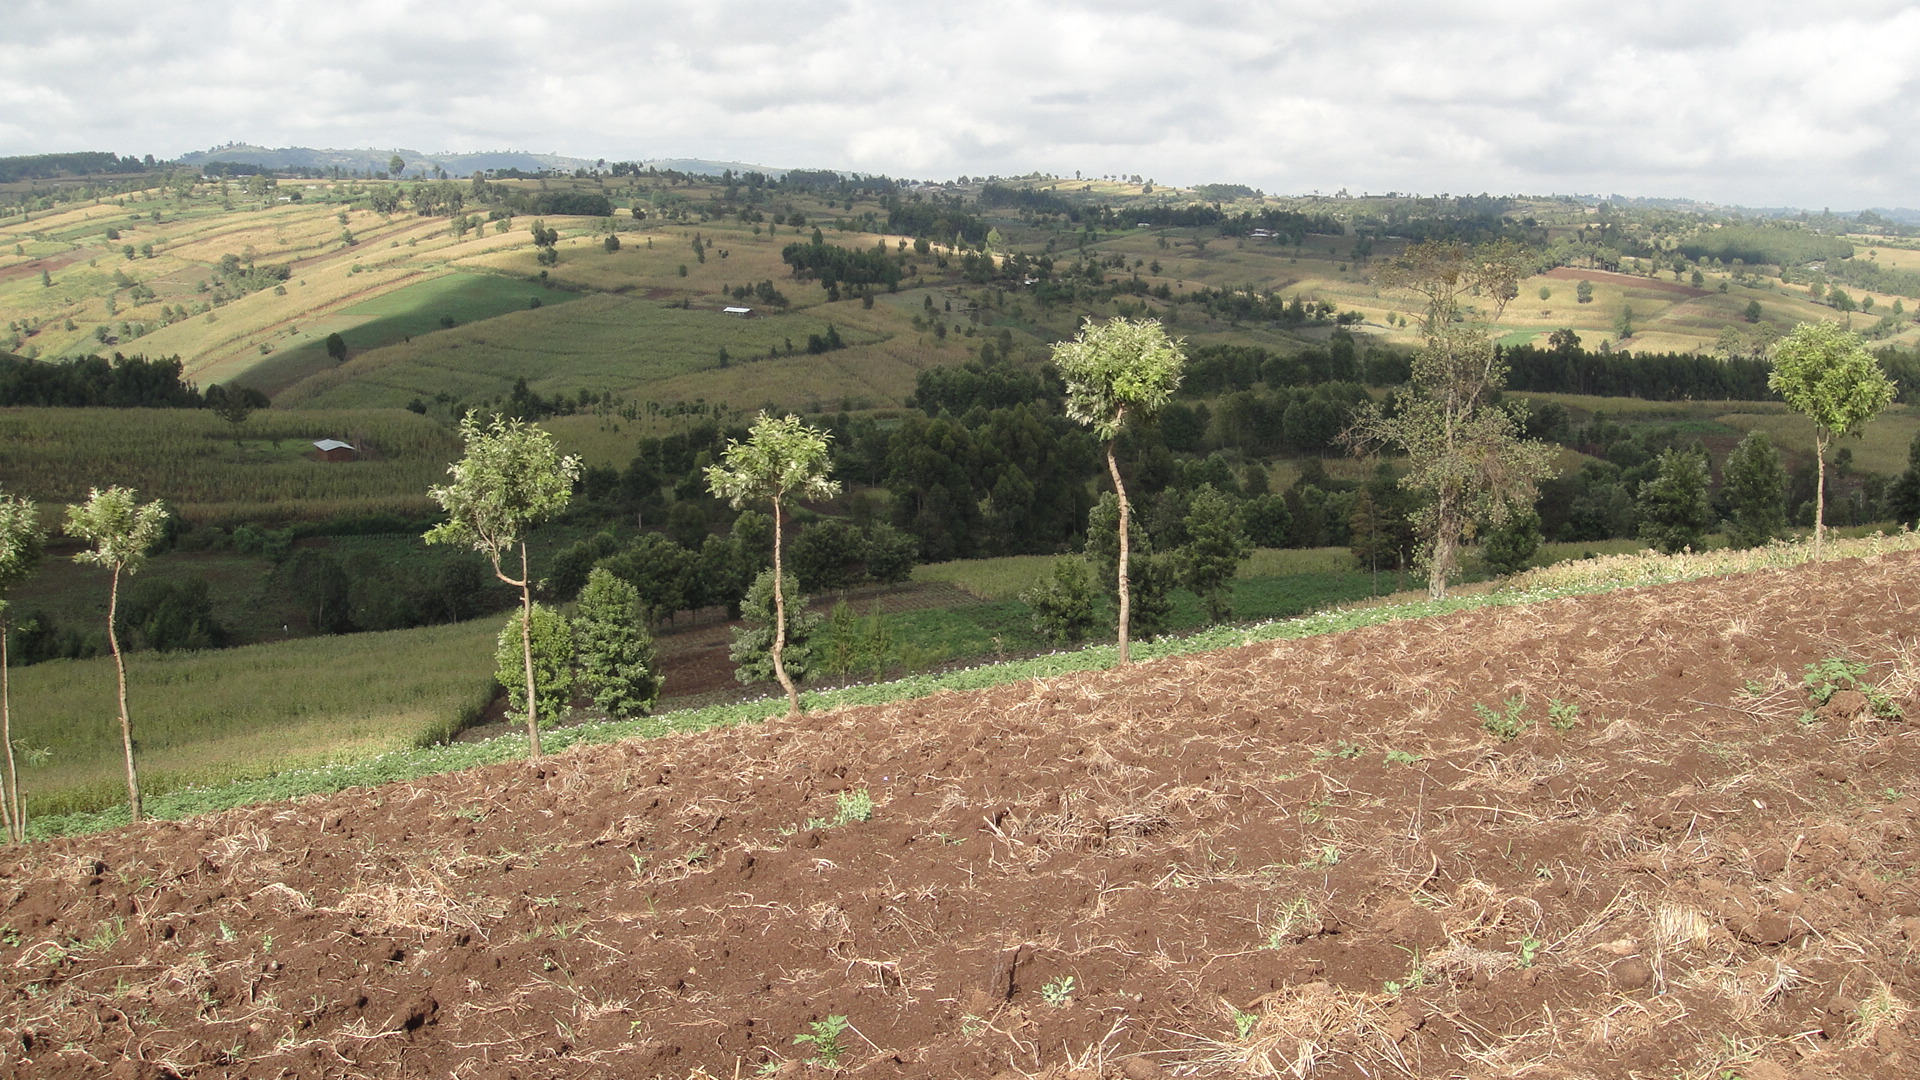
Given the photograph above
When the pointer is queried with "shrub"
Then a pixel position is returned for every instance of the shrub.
(552, 663)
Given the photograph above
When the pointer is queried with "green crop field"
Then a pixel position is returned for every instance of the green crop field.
(603, 344)
(399, 315)
(74, 595)
(189, 458)
(229, 714)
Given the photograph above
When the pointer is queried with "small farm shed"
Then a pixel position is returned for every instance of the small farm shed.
(740, 311)
(335, 450)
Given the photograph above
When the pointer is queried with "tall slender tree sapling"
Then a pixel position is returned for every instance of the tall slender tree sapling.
(120, 531)
(782, 457)
(1827, 374)
(20, 548)
(511, 477)
(1115, 372)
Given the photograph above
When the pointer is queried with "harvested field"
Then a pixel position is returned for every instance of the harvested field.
(1629, 281)
(1323, 857)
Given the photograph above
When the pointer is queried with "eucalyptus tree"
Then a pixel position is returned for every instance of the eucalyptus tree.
(1465, 453)
(511, 477)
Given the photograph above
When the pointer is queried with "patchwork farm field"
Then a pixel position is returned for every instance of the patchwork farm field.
(1601, 836)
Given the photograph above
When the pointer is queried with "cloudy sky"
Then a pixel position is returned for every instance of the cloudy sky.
(1755, 102)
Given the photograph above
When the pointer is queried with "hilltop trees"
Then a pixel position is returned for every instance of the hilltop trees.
(1115, 372)
(20, 550)
(782, 457)
(511, 477)
(120, 532)
(1827, 374)
(1464, 450)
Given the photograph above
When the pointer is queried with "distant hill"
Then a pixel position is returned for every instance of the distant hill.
(376, 160)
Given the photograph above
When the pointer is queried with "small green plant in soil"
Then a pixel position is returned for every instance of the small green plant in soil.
(824, 1037)
(1508, 721)
(1825, 678)
(1416, 977)
(1244, 1023)
(1327, 855)
(1295, 922)
(853, 806)
(1529, 951)
(1059, 992)
(1402, 757)
(1562, 715)
(1344, 750)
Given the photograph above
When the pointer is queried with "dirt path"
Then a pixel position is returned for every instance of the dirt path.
(1302, 858)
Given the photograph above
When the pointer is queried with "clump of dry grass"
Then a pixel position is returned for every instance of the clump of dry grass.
(1302, 1029)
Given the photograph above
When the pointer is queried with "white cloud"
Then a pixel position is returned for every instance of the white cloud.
(1762, 103)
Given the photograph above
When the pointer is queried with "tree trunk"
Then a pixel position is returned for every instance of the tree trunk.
(1126, 594)
(10, 806)
(1819, 494)
(126, 722)
(526, 650)
(1446, 540)
(780, 621)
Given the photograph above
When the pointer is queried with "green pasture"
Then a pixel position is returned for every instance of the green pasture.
(1881, 447)
(233, 714)
(189, 457)
(603, 343)
(410, 311)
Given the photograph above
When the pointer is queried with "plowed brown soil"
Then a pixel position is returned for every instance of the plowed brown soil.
(1231, 856)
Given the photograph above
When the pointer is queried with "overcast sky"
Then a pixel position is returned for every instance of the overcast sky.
(1754, 102)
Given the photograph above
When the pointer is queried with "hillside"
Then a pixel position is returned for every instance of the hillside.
(1319, 857)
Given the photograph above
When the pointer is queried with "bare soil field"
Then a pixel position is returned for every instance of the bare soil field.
(1305, 858)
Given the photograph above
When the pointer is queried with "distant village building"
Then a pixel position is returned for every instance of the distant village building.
(740, 311)
(335, 450)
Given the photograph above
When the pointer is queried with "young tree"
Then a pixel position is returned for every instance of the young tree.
(336, 348)
(1465, 453)
(1216, 547)
(120, 532)
(21, 542)
(234, 404)
(511, 477)
(782, 457)
(1063, 603)
(615, 651)
(550, 641)
(791, 628)
(1675, 512)
(1509, 546)
(1115, 372)
(1827, 374)
(1756, 490)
